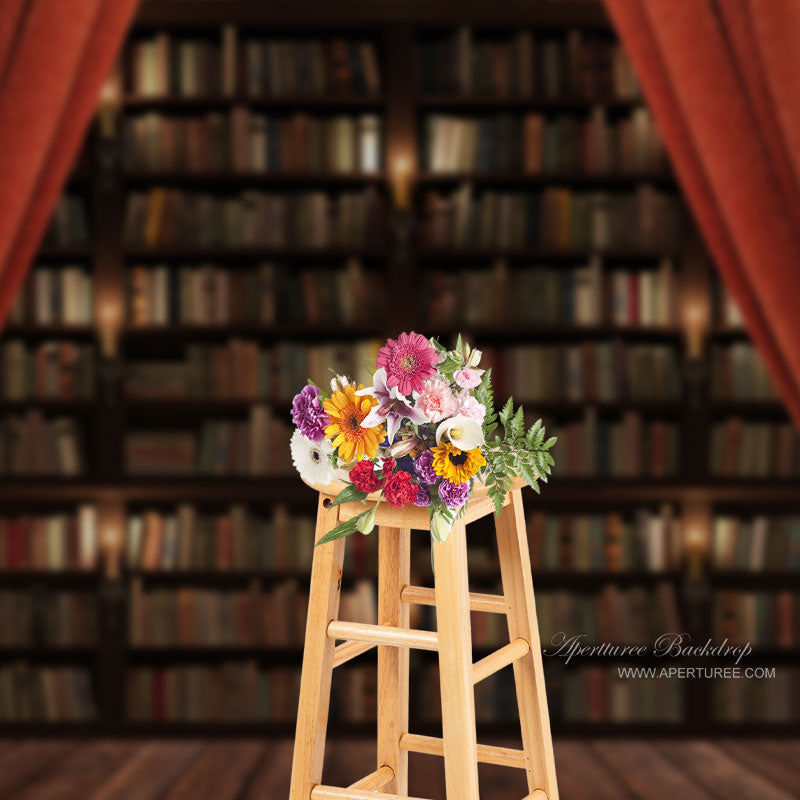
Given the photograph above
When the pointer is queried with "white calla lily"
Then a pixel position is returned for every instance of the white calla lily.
(463, 432)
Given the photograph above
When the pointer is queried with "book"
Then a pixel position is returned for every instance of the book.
(525, 65)
(754, 449)
(762, 619)
(738, 373)
(54, 296)
(555, 218)
(48, 619)
(69, 226)
(247, 142)
(536, 144)
(33, 445)
(46, 694)
(266, 294)
(167, 217)
(769, 543)
(647, 540)
(52, 370)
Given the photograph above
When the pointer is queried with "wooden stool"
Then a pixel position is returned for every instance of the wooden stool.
(392, 636)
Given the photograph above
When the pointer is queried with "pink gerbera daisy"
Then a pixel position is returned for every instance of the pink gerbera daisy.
(408, 360)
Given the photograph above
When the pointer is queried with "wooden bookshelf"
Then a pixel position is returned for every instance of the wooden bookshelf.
(396, 29)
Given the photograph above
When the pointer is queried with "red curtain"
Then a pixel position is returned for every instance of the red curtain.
(54, 57)
(722, 80)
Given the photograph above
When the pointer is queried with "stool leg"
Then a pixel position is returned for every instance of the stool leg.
(455, 666)
(315, 682)
(512, 545)
(394, 555)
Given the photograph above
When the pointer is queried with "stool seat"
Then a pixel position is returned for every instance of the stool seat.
(452, 641)
(414, 517)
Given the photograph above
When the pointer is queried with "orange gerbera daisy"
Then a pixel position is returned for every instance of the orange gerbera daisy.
(346, 412)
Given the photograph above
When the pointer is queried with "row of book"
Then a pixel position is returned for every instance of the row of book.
(635, 615)
(647, 540)
(555, 218)
(161, 65)
(756, 544)
(311, 68)
(69, 226)
(240, 370)
(726, 311)
(33, 445)
(605, 371)
(536, 144)
(526, 65)
(590, 295)
(271, 617)
(776, 700)
(628, 448)
(245, 142)
(42, 618)
(46, 694)
(763, 619)
(235, 692)
(58, 370)
(257, 446)
(267, 294)
(39, 542)
(165, 217)
(55, 296)
(754, 449)
(738, 373)
(187, 539)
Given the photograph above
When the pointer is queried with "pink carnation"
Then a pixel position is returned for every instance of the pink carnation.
(408, 361)
(437, 400)
(469, 407)
(468, 377)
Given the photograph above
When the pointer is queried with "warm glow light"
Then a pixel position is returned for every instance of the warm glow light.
(695, 320)
(107, 107)
(109, 318)
(401, 182)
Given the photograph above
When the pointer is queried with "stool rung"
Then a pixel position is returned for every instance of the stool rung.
(421, 596)
(487, 754)
(383, 634)
(536, 794)
(494, 662)
(375, 780)
(348, 651)
(320, 792)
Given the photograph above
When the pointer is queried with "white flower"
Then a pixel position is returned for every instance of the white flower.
(312, 459)
(440, 528)
(339, 382)
(463, 432)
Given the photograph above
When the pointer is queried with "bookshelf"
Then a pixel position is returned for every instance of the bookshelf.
(139, 330)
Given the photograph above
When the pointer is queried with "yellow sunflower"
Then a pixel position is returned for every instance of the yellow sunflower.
(346, 412)
(456, 466)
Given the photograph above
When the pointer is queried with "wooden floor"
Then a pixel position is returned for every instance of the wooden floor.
(608, 769)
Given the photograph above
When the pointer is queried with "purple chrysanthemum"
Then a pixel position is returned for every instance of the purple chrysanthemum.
(423, 497)
(308, 414)
(423, 466)
(454, 495)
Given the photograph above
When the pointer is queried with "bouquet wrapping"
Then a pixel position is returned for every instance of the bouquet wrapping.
(422, 434)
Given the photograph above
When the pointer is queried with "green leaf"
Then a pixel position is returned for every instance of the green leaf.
(549, 443)
(508, 410)
(345, 529)
(348, 495)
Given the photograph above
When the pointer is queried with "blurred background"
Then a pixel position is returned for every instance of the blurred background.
(265, 194)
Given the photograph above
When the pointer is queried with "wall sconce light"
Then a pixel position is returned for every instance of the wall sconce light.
(401, 183)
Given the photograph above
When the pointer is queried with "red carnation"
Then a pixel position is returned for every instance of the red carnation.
(387, 468)
(399, 490)
(364, 478)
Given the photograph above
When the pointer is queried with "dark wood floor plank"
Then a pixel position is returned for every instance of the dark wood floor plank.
(79, 773)
(220, 772)
(646, 772)
(19, 762)
(582, 775)
(271, 777)
(769, 759)
(722, 775)
(150, 772)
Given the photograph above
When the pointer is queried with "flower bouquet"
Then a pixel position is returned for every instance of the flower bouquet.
(423, 434)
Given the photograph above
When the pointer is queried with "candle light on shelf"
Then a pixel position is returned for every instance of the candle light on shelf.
(111, 544)
(401, 183)
(107, 108)
(109, 319)
(695, 323)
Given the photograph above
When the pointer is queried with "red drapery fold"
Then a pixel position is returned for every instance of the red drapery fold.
(721, 78)
(54, 57)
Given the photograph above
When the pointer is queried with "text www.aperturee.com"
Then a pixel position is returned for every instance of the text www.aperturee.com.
(697, 673)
